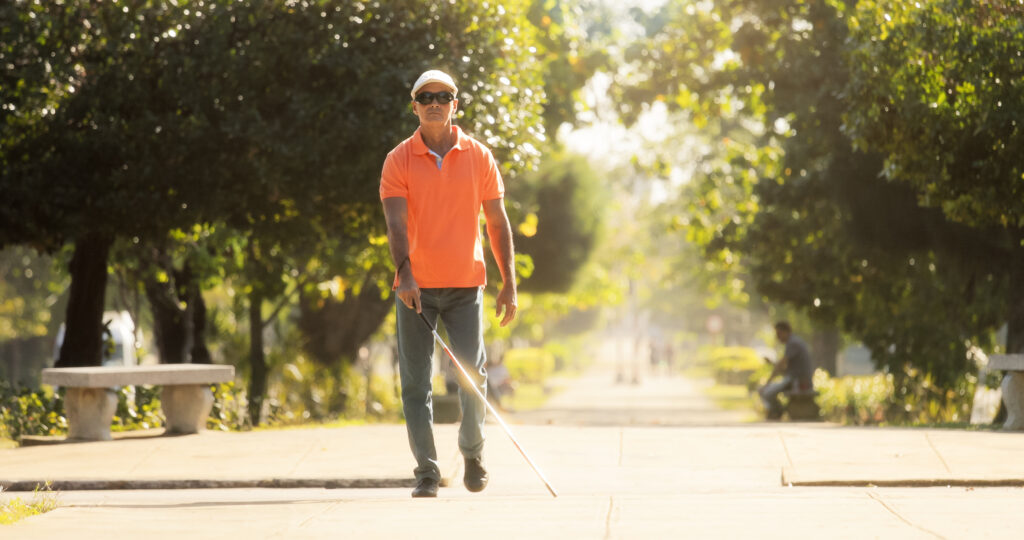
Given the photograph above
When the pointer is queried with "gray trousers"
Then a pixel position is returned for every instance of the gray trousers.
(461, 310)
(770, 394)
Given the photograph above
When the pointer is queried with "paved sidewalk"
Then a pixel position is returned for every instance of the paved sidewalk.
(358, 456)
(653, 476)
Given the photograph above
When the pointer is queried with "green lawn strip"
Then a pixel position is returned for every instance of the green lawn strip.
(527, 397)
(732, 397)
(961, 426)
(14, 510)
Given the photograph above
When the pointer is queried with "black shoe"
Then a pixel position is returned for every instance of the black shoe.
(475, 478)
(426, 487)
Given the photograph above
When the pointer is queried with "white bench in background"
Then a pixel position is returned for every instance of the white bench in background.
(90, 401)
(1013, 387)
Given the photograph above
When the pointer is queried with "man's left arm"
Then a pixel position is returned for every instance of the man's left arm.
(499, 231)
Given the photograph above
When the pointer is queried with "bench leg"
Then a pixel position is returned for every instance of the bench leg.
(186, 407)
(1013, 396)
(90, 412)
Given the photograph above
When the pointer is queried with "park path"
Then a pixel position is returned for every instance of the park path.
(658, 463)
(603, 397)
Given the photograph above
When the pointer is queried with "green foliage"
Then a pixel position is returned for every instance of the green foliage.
(786, 208)
(27, 412)
(229, 408)
(309, 393)
(854, 400)
(532, 365)
(911, 398)
(245, 134)
(935, 87)
(732, 365)
(565, 203)
(138, 407)
(31, 287)
(573, 36)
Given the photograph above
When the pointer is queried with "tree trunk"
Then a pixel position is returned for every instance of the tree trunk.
(1015, 318)
(257, 362)
(170, 330)
(334, 331)
(180, 334)
(83, 335)
(825, 348)
(200, 353)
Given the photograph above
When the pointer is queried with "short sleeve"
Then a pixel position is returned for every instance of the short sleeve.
(393, 180)
(493, 187)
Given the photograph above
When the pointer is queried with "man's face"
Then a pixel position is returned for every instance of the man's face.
(434, 113)
(781, 335)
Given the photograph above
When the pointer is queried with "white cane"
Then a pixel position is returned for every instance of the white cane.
(479, 394)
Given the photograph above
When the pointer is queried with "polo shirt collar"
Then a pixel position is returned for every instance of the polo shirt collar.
(420, 147)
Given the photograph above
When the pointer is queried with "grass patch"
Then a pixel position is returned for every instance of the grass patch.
(962, 426)
(310, 424)
(527, 397)
(730, 397)
(699, 372)
(14, 510)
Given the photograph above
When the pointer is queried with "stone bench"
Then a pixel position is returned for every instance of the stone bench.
(1013, 387)
(90, 401)
(803, 405)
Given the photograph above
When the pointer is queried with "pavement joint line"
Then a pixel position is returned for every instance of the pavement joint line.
(928, 438)
(330, 508)
(608, 517)
(304, 456)
(785, 448)
(139, 463)
(893, 511)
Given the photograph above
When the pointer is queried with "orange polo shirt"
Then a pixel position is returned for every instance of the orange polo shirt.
(444, 204)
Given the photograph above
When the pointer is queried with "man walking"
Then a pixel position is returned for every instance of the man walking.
(795, 368)
(433, 187)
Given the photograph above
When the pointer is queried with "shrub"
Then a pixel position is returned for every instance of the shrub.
(138, 407)
(733, 365)
(912, 398)
(30, 412)
(860, 400)
(230, 408)
(532, 365)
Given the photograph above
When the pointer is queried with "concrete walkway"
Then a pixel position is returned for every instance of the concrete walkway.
(625, 466)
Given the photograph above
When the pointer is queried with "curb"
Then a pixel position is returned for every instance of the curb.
(155, 484)
(97, 484)
(790, 479)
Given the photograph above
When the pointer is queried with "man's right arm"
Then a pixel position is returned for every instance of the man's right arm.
(396, 213)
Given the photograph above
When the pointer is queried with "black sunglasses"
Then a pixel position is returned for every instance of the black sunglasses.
(426, 98)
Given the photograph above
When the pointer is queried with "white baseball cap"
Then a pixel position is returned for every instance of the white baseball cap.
(434, 75)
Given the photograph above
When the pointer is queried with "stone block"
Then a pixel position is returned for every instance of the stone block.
(1006, 362)
(1013, 397)
(803, 407)
(90, 412)
(158, 375)
(186, 407)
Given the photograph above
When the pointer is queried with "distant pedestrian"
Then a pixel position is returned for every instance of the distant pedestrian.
(433, 187)
(794, 367)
